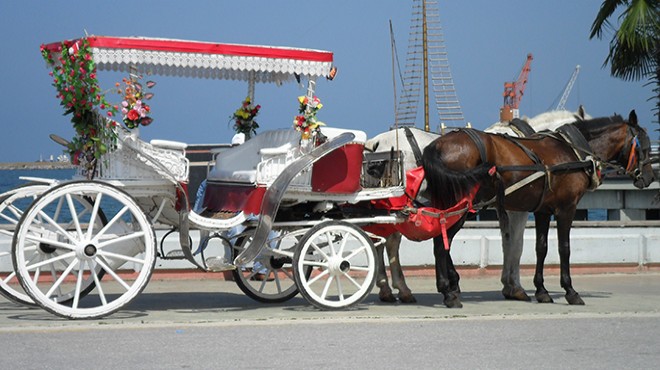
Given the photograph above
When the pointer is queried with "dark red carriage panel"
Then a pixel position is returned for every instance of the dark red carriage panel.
(339, 171)
(234, 198)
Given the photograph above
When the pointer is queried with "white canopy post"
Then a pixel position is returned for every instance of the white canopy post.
(251, 82)
(311, 88)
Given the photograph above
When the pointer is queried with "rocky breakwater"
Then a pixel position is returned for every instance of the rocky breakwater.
(35, 165)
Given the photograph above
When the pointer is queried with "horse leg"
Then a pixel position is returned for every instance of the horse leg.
(512, 246)
(542, 227)
(564, 222)
(398, 280)
(446, 275)
(385, 293)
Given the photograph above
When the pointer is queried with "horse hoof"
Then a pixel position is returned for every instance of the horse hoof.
(516, 294)
(543, 298)
(407, 298)
(387, 297)
(453, 300)
(453, 303)
(574, 299)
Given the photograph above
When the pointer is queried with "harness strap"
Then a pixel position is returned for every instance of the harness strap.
(477, 141)
(632, 155)
(574, 137)
(521, 127)
(413, 145)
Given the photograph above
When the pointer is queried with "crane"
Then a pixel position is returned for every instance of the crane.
(568, 88)
(513, 93)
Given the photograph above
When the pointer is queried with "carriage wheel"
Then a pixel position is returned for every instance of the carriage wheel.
(343, 262)
(59, 246)
(269, 278)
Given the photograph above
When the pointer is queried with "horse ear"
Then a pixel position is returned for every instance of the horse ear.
(632, 118)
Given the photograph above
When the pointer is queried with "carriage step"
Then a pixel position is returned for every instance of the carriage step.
(218, 264)
(176, 254)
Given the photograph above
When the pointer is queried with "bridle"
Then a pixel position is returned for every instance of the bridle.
(635, 157)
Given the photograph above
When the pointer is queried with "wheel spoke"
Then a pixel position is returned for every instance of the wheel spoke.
(74, 216)
(356, 252)
(317, 277)
(7, 279)
(315, 263)
(344, 240)
(288, 273)
(15, 211)
(94, 215)
(113, 274)
(360, 268)
(52, 242)
(329, 238)
(49, 261)
(118, 256)
(79, 280)
(120, 239)
(99, 288)
(112, 222)
(58, 282)
(350, 278)
(340, 291)
(55, 224)
(326, 287)
(318, 249)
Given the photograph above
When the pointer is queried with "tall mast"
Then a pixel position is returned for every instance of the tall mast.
(425, 56)
(427, 68)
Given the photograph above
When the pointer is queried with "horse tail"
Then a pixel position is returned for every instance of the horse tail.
(447, 186)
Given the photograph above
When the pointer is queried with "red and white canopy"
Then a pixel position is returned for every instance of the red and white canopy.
(171, 57)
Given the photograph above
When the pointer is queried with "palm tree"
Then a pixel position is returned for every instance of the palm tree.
(635, 47)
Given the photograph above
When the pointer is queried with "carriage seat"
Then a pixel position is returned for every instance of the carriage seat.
(239, 164)
(169, 144)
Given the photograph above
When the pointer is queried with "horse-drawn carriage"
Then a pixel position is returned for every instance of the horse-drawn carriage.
(283, 203)
(296, 210)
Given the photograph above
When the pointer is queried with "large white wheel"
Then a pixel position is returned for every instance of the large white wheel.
(343, 261)
(269, 278)
(59, 247)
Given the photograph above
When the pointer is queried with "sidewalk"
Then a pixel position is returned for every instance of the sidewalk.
(208, 299)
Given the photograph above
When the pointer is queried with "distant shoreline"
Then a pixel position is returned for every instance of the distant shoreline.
(35, 165)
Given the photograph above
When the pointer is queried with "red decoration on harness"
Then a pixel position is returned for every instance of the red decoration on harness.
(430, 222)
(426, 222)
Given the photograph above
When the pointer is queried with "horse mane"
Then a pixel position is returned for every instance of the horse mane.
(447, 186)
(595, 126)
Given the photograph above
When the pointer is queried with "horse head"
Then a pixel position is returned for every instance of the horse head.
(639, 154)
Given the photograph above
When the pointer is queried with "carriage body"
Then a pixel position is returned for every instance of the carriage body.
(278, 183)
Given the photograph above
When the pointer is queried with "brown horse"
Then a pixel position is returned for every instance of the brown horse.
(547, 174)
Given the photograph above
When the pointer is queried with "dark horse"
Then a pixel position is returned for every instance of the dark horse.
(546, 174)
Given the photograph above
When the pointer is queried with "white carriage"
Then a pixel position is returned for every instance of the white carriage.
(85, 248)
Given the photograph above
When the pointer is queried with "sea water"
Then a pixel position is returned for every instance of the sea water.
(10, 179)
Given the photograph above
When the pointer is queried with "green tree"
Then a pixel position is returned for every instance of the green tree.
(634, 49)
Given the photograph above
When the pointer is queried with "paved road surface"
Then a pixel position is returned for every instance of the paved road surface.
(209, 323)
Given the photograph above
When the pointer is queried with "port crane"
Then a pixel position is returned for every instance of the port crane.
(513, 93)
(568, 88)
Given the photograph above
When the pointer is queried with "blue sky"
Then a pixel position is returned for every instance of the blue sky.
(487, 43)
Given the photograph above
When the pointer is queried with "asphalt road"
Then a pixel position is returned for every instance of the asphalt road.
(210, 324)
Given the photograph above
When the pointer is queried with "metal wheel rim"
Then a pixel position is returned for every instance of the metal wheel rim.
(343, 259)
